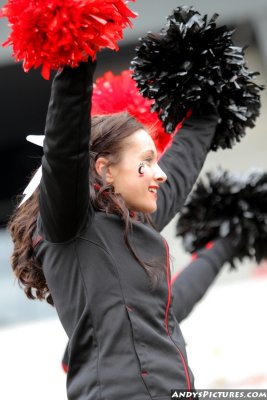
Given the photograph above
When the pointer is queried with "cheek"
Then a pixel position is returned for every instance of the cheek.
(146, 176)
(134, 179)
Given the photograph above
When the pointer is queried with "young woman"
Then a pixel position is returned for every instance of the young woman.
(88, 242)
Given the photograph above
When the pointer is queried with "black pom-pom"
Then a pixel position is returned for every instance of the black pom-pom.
(227, 203)
(192, 63)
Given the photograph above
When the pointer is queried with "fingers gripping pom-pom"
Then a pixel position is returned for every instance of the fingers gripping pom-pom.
(192, 63)
(227, 203)
(118, 93)
(56, 33)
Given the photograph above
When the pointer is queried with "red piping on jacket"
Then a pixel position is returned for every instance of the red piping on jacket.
(174, 277)
(166, 321)
(36, 240)
(167, 314)
(65, 367)
(209, 245)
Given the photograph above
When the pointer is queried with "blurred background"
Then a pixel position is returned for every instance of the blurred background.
(226, 333)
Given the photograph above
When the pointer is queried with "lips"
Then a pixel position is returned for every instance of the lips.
(153, 189)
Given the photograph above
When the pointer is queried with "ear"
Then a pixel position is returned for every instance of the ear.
(103, 169)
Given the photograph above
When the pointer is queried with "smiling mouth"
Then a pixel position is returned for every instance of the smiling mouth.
(153, 189)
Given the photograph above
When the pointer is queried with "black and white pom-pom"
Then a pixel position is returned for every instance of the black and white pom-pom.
(192, 63)
(227, 203)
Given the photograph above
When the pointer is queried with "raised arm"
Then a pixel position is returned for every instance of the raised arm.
(195, 279)
(182, 163)
(64, 188)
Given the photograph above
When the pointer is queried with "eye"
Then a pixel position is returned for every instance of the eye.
(148, 159)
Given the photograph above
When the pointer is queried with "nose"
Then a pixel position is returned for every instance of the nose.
(159, 174)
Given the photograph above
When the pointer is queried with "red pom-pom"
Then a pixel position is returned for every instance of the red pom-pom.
(118, 93)
(55, 33)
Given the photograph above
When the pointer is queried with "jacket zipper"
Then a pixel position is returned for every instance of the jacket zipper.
(166, 321)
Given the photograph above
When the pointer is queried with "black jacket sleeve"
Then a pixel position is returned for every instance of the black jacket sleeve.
(194, 280)
(64, 188)
(182, 164)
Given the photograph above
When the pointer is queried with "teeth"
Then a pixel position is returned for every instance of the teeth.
(152, 190)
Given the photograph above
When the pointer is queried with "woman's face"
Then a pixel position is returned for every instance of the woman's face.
(137, 175)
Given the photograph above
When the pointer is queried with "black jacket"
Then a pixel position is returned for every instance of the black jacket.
(125, 342)
(191, 284)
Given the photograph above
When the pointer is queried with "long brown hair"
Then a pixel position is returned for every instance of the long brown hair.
(107, 139)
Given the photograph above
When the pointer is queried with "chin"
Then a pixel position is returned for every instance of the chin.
(150, 210)
(153, 209)
(145, 210)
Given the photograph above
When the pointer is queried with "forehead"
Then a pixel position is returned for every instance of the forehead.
(140, 141)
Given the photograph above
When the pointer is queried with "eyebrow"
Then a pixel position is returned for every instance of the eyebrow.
(150, 152)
